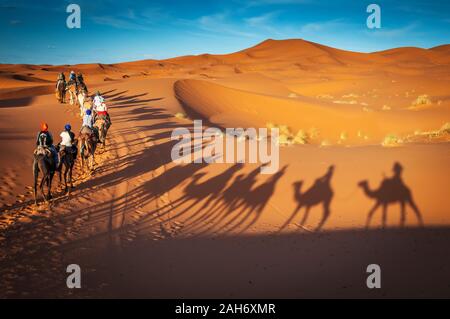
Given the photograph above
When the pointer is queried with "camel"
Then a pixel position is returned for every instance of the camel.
(43, 163)
(72, 88)
(392, 190)
(319, 193)
(101, 126)
(67, 161)
(82, 100)
(61, 91)
(87, 146)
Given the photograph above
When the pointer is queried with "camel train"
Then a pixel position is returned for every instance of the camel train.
(94, 130)
(50, 159)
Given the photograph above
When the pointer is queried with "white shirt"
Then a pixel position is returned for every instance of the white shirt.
(65, 139)
(101, 108)
(98, 100)
(87, 120)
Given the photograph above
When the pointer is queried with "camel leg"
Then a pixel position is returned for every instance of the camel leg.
(403, 214)
(36, 174)
(92, 163)
(70, 176)
(326, 214)
(49, 185)
(371, 212)
(65, 178)
(305, 217)
(384, 217)
(60, 176)
(416, 211)
(41, 186)
(296, 210)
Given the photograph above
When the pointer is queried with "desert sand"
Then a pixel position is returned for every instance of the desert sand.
(142, 226)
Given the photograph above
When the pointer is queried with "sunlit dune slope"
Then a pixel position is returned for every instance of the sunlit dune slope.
(230, 107)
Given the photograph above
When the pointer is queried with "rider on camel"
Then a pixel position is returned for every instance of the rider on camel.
(62, 77)
(48, 142)
(101, 109)
(73, 80)
(67, 141)
(80, 81)
(88, 122)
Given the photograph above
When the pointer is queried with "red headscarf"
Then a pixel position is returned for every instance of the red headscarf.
(44, 127)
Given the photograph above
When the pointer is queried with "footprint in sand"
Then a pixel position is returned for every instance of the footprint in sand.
(5, 193)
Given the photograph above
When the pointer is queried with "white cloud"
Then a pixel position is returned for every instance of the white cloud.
(393, 32)
(218, 23)
(119, 23)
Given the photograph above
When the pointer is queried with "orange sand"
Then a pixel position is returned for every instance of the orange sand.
(346, 102)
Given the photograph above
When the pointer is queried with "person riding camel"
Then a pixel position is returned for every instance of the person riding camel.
(80, 78)
(73, 80)
(101, 109)
(67, 141)
(80, 81)
(61, 87)
(88, 124)
(72, 76)
(48, 142)
(62, 77)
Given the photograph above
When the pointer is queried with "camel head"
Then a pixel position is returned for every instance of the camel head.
(363, 184)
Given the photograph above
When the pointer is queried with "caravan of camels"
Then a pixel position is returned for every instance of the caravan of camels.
(49, 159)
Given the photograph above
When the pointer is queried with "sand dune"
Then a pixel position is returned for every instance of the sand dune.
(227, 107)
(150, 218)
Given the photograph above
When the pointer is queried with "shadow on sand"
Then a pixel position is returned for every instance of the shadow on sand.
(392, 190)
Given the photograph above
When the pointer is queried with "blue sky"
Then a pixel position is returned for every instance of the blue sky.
(117, 31)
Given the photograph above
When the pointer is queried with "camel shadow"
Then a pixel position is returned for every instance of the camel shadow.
(391, 190)
(319, 193)
(249, 208)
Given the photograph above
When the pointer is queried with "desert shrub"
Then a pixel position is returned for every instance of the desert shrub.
(351, 95)
(352, 102)
(301, 137)
(271, 125)
(181, 115)
(445, 129)
(325, 96)
(313, 133)
(285, 140)
(287, 137)
(391, 140)
(422, 100)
